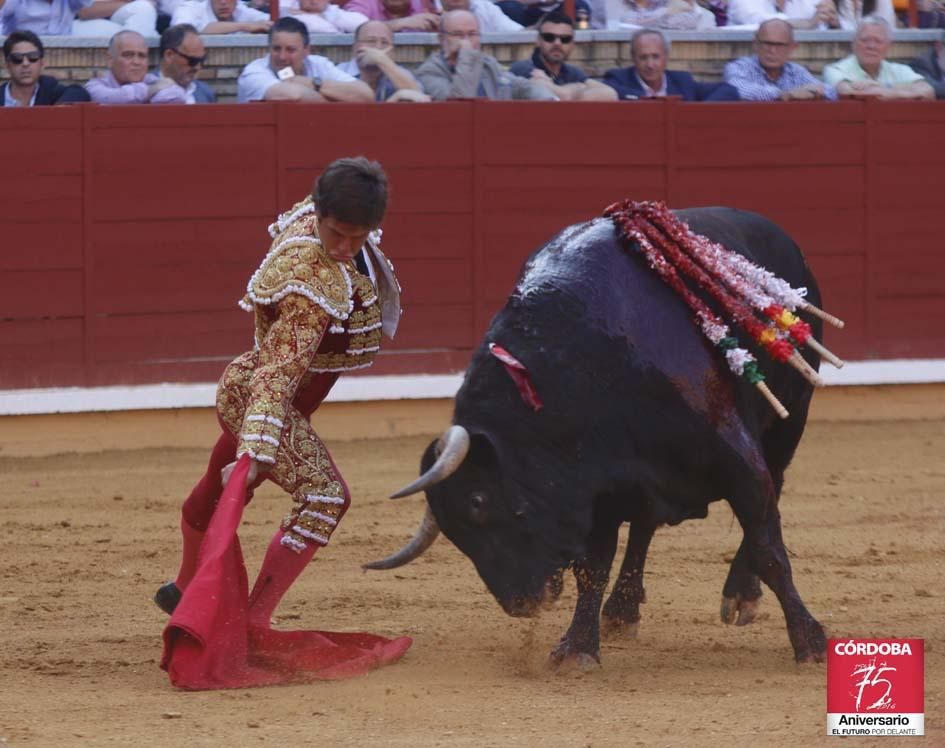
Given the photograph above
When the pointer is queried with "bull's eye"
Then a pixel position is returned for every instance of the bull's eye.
(477, 508)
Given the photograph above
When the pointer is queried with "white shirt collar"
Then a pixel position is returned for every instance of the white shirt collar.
(8, 99)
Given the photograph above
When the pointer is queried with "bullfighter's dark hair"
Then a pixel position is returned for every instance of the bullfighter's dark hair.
(352, 190)
(555, 16)
(289, 25)
(22, 36)
(174, 36)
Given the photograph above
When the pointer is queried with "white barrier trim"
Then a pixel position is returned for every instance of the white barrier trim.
(160, 396)
(360, 389)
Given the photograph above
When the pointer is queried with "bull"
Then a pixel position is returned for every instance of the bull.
(641, 422)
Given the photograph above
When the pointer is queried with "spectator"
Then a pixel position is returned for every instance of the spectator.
(461, 71)
(649, 78)
(490, 16)
(291, 73)
(675, 15)
(867, 74)
(23, 53)
(108, 17)
(801, 14)
(322, 16)
(221, 17)
(548, 64)
(931, 13)
(182, 54)
(127, 80)
(49, 18)
(767, 75)
(846, 14)
(372, 63)
(77, 17)
(530, 12)
(931, 66)
(400, 15)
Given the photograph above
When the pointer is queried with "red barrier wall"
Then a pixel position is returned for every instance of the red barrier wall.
(129, 232)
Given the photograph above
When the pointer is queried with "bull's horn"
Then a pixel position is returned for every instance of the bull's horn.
(422, 539)
(452, 446)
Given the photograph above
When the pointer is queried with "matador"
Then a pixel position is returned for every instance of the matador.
(321, 298)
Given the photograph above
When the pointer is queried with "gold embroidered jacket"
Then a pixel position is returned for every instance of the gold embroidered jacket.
(314, 318)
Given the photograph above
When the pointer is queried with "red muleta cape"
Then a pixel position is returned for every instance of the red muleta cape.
(209, 645)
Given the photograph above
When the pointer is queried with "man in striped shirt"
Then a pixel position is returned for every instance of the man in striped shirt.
(768, 76)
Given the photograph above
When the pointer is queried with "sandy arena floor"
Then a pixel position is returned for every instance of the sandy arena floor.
(87, 537)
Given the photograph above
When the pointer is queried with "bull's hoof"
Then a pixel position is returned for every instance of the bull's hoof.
(566, 658)
(810, 645)
(739, 611)
(616, 628)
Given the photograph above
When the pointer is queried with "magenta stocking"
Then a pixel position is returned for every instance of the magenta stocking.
(188, 563)
(280, 568)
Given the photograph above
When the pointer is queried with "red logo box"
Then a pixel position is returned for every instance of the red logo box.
(875, 687)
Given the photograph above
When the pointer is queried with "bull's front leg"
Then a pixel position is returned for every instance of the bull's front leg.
(622, 609)
(580, 645)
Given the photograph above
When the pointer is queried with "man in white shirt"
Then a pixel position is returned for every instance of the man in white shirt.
(221, 17)
(291, 73)
(867, 74)
(322, 16)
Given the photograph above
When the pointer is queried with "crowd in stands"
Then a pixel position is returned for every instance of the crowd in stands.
(459, 69)
(102, 18)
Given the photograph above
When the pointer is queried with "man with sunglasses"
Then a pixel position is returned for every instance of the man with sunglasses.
(548, 67)
(768, 76)
(23, 53)
(182, 56)
(461, 71)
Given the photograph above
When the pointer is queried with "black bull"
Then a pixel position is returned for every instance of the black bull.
(641, 422)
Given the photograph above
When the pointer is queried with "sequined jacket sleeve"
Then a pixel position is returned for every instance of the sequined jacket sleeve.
(284, 356)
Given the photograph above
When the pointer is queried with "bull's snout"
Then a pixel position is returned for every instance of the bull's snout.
(528, 607)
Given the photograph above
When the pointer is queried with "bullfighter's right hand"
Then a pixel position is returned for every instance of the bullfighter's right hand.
(250, 476)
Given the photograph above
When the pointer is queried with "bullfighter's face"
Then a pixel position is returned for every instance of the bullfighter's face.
(342, 241)
(476, 510)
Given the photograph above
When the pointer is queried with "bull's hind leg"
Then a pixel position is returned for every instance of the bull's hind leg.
(741, 595)
(767, 557)
(621, 616)
(580, 645)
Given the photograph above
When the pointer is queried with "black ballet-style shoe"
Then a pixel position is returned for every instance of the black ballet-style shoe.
(167, 597)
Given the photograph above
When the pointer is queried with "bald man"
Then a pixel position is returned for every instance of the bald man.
(373, 64)
(459, 70)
